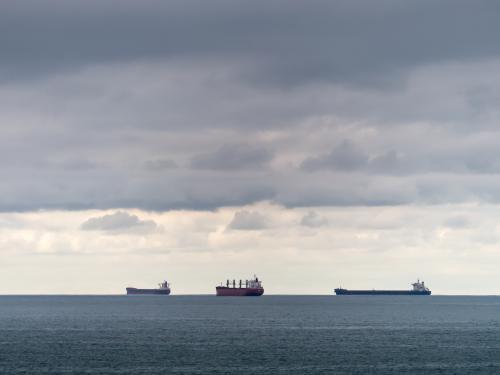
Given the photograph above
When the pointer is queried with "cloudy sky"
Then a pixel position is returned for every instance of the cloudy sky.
(312, 143)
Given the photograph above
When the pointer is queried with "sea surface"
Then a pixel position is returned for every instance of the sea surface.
(244, 335)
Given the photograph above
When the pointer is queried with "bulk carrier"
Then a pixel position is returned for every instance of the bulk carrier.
(163, 289)
(251, 287)
(419, 289)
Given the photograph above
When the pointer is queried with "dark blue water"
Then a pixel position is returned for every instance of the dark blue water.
(266, 335)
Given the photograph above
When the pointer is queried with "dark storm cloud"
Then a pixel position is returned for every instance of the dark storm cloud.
(159, 164)
(345, 156)
(233, 157)
(313, 220)
(77, 164)
(117, 222)
(348, 156)
(248, 220)
(283, 42)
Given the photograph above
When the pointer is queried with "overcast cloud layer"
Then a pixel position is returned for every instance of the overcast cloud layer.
(198, 105)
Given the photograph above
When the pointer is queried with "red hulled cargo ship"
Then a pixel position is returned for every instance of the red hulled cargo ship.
(251, 288)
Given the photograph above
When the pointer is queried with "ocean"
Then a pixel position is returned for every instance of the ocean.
(260, 335)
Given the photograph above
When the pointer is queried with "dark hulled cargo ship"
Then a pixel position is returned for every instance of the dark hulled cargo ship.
(163, 289)
(419, 289)
(251, 288)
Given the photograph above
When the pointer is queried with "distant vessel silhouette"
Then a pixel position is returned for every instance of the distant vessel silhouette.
(163, 289)
(419, 289)
(251, 288)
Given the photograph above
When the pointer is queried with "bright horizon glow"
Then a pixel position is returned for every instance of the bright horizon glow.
(294, 251)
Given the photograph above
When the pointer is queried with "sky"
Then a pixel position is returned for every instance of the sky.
(315, 144)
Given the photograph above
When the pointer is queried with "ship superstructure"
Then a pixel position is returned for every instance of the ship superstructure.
(163, 289)
(419, 289)
(252, 287)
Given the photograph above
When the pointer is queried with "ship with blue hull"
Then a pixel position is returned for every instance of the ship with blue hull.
(419, 289)
(163, 289)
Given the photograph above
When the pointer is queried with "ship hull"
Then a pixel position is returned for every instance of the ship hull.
(223, 291)
(347, 292)
(164, 292)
